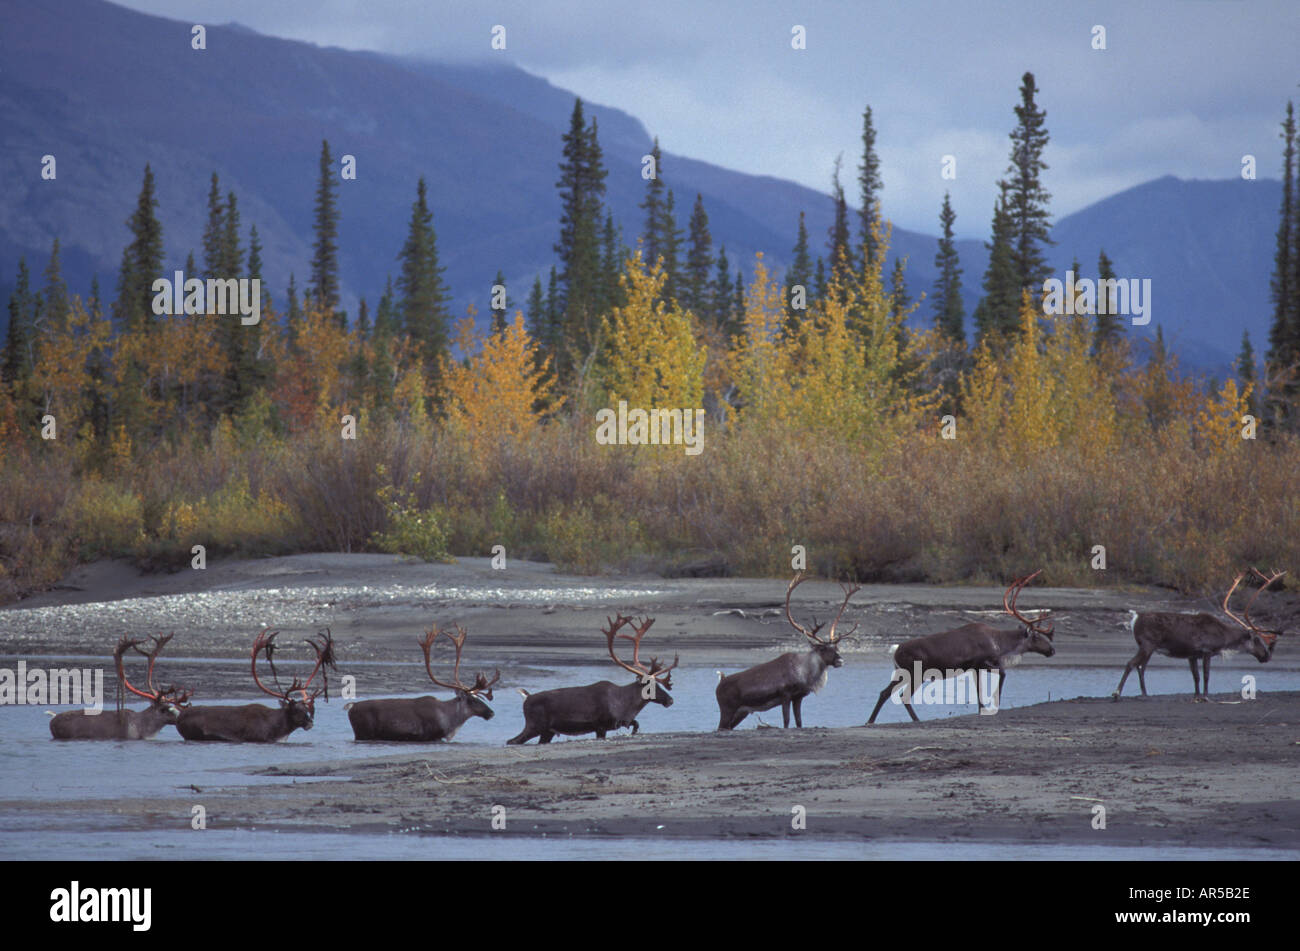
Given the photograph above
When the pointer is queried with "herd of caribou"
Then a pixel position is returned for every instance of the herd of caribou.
(601, 707)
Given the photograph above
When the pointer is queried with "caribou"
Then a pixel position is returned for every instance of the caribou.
(165, 704)
(255, 722)
(1198, 637)
(972, 647)
(787, 679)
(603, 706)
(425, 719)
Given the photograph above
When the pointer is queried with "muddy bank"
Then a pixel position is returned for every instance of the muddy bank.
(1168, 772)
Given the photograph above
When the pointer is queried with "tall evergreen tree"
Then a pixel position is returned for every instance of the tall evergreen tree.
(324, 285)
(671, 250)
(255, 265)
(723, 299)
(800, 274)
(20, 341)
(232, 256)
(1245, 367)
(142, 263)
(383, 369)
(582, 186)
(653, 206)
(612, 255)
(214, 232)
(838, 244)
(820, 284)
(55, 302)
(1284, 330)
(899, 299)
(499, 314)
(738, 301)
(870, 186)
(1027, 199)
(424, 296)
(997, 312)
(949, 314)
(553, 338)
(1108, 329)
(699, 262)
(536, 310)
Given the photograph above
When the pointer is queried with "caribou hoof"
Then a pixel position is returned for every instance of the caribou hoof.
(1200, 700)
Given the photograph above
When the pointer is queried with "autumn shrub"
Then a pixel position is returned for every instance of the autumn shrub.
(411, 530)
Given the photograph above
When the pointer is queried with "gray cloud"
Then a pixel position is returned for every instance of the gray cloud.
(1183, 87)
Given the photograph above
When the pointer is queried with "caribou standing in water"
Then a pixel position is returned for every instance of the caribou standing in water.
(165, 704)
(1198, 637)
(254, 722)
(604, 706)
(787, 679)
(425, 719)
(971, 647)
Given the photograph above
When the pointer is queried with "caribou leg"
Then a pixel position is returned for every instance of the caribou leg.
(635, 726)
(600, 734)
(1139, 660)
(1196, 677)
(785, 714)
(1205, 678)
(1002, 678)
(546, 737)
(892, 687)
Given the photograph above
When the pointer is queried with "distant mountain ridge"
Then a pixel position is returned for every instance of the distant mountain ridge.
(106, 89)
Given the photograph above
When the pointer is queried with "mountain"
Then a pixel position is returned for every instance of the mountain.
(105, 89)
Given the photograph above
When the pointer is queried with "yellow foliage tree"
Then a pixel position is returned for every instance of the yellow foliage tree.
(501, 390)
(60, 379)
(652, 357)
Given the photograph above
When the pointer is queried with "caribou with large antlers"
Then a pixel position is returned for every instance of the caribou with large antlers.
(165, 704)
(255, 722)
(787, 679)
(425, 719)
(972, 647)
(603, 706)
(1199, 637)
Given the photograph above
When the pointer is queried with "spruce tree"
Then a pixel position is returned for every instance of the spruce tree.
(838, 235)
(699, 262)
(1027, 199)
(255, 265)
(948, 312)
(214, 233)
(1245, 367)
(1109, 329)
(672, 240)
(324, 287)
(738, 300)
(232, 256)
(997, 313)
(55, 301)
(899, 299)
(820, 285)
(723, 299)
(20, 341)
(383, 371)
(425, 315)
(612, 255)
(536, 310)
(581, 185)
(870, 186)
(799, 275)
(499, 318)
(1284, 329)
(142, 263)
(653, 206)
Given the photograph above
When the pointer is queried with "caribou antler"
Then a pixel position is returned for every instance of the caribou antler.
(128, 643)
(265, 644)
(831, 636)
(655, 671)
(1268, 636)
(481, 683)
(1012, 593)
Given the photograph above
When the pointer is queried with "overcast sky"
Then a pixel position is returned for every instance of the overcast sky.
(1184, 87)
